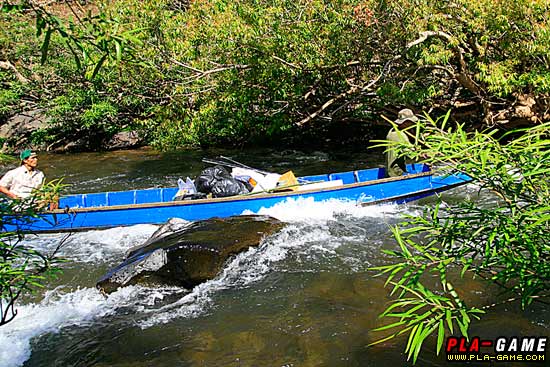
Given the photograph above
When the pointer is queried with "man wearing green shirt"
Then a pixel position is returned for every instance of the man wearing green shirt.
(396, 166)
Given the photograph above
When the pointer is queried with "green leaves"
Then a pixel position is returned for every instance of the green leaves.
(505, 243)
(338, 61)
(423, 313)
(93, 41)
(22, 268)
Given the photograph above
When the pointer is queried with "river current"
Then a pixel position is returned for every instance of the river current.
(304, 297)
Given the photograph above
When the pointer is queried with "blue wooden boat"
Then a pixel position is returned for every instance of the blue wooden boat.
(156, 206)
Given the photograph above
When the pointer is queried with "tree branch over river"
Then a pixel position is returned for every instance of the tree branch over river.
(210, 73)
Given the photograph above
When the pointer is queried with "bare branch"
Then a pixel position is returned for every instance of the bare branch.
(463, 76)
(326, 105)
(289, 64)
(9, 66)
(186, 66)
(353, 90)
(199, 74)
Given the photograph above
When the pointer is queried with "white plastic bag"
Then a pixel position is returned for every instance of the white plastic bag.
(263, 182)
(266, 183)
(186, 187)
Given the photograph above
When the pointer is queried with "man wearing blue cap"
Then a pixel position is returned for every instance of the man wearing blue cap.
(21, 181)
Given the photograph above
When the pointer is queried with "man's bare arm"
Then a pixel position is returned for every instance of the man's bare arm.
(4, 190)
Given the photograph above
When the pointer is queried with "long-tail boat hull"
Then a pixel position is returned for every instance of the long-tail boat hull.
(156, 206)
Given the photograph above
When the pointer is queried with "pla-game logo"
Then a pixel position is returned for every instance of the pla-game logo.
(502, 349)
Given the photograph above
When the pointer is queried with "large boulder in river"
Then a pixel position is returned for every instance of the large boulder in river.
(186, 254)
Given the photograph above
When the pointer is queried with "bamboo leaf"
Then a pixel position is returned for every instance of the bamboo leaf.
(463, 328)
(409, 349)
(390, 326)
(381, 340)
(98, 66)
(118, 48)
(45, 46)
(440, 335)
(449, 319)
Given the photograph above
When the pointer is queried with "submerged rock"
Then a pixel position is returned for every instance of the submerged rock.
(186, 254)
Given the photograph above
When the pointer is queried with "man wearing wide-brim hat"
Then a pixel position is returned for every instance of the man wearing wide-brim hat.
(21, 181)
(395, 166)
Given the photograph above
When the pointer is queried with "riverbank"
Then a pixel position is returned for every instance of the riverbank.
(19, 131)
(98, 74)
(17, 134)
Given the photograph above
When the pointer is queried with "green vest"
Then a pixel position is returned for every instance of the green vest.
(395, 166)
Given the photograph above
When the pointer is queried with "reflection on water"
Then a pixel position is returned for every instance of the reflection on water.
(303, 298)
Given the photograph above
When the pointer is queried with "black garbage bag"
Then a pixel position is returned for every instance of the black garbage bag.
(228, 187)
(218, 181)
(208, 178)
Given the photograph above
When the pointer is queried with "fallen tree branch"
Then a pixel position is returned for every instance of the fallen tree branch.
(327, 104)
(350, 91)
(199, 74)
(463, 76)
(224, 68)
(9, 66)
(289, 64)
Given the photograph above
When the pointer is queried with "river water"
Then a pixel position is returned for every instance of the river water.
(305, 297)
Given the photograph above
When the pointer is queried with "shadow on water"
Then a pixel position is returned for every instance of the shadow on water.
(303, 298)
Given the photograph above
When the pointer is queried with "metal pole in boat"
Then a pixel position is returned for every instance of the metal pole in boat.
(241, 165)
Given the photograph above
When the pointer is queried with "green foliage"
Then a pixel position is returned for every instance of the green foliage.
(80, 113)
(505, 244)
(98, 114)
(245, 71)
(94, 40)
(500, 76)
(23, 269)
(8, 101)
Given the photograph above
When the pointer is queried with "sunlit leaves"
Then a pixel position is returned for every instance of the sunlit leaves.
(297, 56)
(93, 40)
(421, 312)
(505, 243)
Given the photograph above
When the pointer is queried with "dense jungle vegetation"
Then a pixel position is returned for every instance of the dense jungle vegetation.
(208, 72)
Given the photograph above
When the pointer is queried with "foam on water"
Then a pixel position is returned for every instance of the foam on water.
(246, 268)
(310, 211)
(56, 311)
(300, 236)
(307, 231)
(93, 246)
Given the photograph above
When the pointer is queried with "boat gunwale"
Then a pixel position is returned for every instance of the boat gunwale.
(412, 194)
(159, 204)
